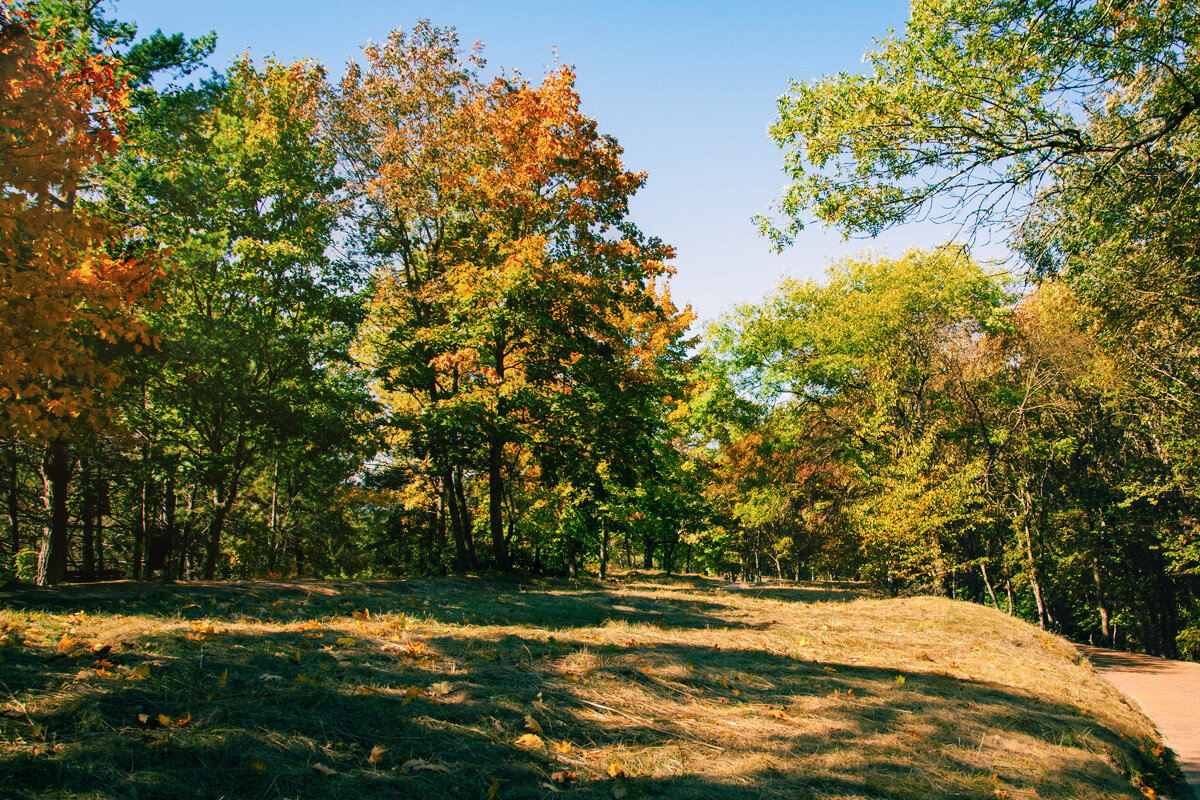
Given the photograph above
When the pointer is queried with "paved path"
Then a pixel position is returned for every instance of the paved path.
(1169, 693)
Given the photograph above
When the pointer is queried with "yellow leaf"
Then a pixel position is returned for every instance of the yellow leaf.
(439, 689)
(562, 747)
(530, 740)
(256, 765)
(139, 672)
(615, 769)
(377, 754)
(363, 690)
(532, 724)
(495, 787)
(163, 719)
(346, 641)
(411, 693)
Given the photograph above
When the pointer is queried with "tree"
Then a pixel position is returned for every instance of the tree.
(511, 294)
(981, 106)
(868, 391)
(68, 306)
(255, 320)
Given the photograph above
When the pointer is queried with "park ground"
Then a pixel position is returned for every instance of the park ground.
(640, 686)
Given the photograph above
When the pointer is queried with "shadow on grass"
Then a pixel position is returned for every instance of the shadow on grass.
(297, 713)
(472, 602)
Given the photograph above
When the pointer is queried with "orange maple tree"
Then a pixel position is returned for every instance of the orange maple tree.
(67, 305)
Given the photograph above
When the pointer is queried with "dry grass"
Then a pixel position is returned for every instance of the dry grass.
(639, 687)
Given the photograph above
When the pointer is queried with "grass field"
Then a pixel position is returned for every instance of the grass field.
(644, 686)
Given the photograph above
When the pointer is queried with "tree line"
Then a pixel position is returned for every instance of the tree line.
(261, 323)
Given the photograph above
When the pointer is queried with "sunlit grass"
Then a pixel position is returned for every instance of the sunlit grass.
(642, 686)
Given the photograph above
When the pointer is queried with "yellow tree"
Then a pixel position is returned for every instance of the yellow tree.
(67, 306)
(509, 282)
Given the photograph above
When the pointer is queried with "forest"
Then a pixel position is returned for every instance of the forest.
(258, 323)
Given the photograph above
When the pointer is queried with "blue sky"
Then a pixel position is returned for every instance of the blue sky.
(688, 88)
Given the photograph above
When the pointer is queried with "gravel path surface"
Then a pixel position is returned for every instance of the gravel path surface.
(1168, 692)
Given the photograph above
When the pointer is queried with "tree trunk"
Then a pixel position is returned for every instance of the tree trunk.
(461, 559)
(171, 521)
(222, 502)
(464, 512)
(88, 515)
(988, 583)
(603, 548)
(56, 477)
(13, 501)
(1035, 583)
(496, 500)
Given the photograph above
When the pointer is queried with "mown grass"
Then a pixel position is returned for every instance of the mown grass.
(643, 686)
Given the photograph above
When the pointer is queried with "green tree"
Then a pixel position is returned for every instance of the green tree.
(254, 318)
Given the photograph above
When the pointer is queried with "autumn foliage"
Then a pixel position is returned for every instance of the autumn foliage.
(67, 303)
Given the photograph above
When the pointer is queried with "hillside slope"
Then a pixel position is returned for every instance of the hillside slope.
(640, 687)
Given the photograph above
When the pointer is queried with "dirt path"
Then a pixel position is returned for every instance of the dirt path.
(1169, 693)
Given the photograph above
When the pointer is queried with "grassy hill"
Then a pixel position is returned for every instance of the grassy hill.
(644, 686)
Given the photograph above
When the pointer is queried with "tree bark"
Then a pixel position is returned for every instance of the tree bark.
(88, 515)
(13, 501)
(496, 500)
(988, 583)
(56, 477)
(603, 548)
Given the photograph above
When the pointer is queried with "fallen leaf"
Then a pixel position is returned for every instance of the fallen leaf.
(163, 719)
(139, 672)
(221, 681)
(777, 714)
(363, 690)
(615, 769)
(495, 787)
(268, 677)
(144, 719)
(531, 740)
(421, 765)
(411, 693)
(619, 791)
(377, 754)
(256, 765)
(364, 614)
(562, 747)
(440, 689)
(315, 635)
(532, 724)
(830, 669)
(324, 770)
(562, 777)
(346, 641)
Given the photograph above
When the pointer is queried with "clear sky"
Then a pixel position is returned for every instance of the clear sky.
(688, 87)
